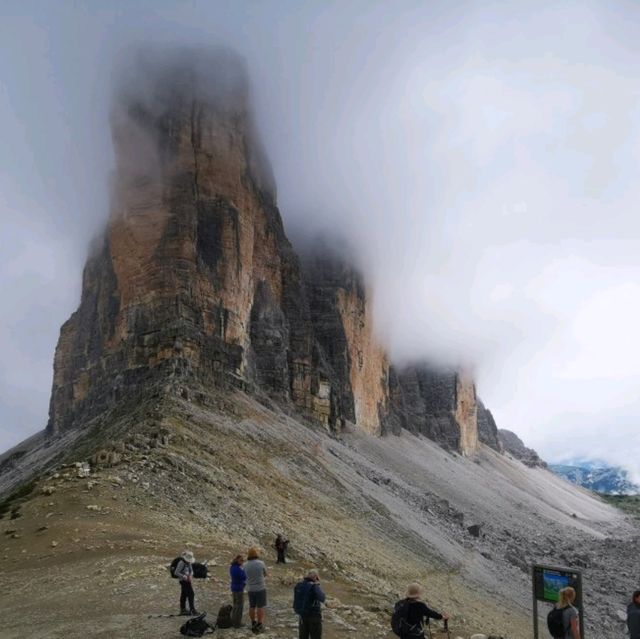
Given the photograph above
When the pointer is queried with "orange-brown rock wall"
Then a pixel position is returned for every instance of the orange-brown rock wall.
(194, 280)
(369, 367)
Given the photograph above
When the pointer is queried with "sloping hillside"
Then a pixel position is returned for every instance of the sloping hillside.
(227, 472)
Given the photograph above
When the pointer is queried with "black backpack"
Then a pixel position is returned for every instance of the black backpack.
(303, 599)
(555, 623)
(200, 571)
(172, 567)
(224, 617)
(196, 627)
(399, 619)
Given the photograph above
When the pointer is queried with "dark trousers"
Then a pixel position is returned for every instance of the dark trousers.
(310, 627)
(280, 556)
(236, 612)
(186, 592)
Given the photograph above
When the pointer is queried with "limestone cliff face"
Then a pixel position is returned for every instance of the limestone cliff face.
(343, 324)
(194, 281)
(194, 274)
(440, 404)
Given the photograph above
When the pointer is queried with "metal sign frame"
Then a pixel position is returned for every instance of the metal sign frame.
(576, 582)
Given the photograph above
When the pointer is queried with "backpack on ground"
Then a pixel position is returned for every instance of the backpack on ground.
(196, 627)
(555, 623)
(173, 565)
(303, 598)
(200, 571)
(224, 617)
(399, 619)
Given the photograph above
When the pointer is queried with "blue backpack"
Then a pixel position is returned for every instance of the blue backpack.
(303, 598)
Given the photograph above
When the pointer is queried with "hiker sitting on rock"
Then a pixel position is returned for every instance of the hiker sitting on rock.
(307, 600)
(184, 572)
(409, 614)
(238, 582)
(281, 548)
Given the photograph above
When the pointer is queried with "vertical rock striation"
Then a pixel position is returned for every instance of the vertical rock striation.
(343, 324)
(195, 281)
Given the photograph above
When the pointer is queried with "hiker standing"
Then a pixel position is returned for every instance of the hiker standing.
(256, 588)
(412, 612)
(307, 600)
(281, 547)
(184, 572)
(570, 617)
(633, 616)
(238, 582)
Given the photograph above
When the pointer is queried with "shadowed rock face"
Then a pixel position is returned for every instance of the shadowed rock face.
(487, 428)
(195, 281)
(515, 446)
(438, 404)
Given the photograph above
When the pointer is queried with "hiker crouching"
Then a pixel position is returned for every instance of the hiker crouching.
(184, 572)
(307, 601)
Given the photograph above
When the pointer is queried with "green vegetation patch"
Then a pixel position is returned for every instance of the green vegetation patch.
(630, 504)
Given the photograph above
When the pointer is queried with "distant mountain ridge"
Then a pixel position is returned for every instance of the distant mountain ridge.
(597, 476)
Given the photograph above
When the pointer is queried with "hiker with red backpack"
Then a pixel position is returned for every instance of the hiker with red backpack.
(409, 614)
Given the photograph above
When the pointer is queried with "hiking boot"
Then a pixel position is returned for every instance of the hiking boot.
(184, 612)
(254, 625)
(193, 612)
(259, 628)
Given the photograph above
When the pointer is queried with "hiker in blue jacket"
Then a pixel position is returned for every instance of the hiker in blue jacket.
(308, 598)
(238, 582)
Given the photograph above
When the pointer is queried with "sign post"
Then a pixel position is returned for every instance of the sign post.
(547, 582)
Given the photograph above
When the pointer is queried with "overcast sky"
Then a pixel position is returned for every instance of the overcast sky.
(481, 158)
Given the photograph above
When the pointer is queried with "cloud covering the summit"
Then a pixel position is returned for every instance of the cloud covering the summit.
(480, 158)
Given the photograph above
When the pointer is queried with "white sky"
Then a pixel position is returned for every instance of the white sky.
(482, 159)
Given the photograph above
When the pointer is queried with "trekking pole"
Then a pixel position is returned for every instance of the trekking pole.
(446, 627)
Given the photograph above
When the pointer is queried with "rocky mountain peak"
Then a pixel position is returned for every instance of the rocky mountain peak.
(195, 284)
